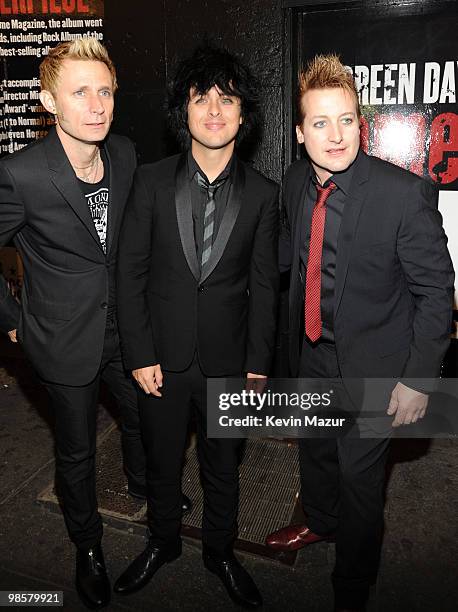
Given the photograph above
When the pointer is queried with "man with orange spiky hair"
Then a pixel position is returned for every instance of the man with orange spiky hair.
(370, 297)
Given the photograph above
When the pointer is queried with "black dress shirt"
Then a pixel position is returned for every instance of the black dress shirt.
(334, 210)
(199, 200)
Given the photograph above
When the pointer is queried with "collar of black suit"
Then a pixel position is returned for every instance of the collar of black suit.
(184, 216)
(358, 189)
(55, 152)
(64, 178)
(302, 172)
(194, 167)
(343, 179)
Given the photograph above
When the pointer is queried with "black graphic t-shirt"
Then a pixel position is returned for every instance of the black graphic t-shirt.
(98, 200)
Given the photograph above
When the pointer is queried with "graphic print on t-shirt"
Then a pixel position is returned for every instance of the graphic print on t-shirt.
(98, 205)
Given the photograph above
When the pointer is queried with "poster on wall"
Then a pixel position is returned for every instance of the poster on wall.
(28, 29)
(405, 63)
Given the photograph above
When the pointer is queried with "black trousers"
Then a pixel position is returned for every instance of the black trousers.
(75, 411)
(342, 482)
(164, 423)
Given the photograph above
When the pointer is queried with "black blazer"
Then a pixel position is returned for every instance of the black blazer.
(167, 310)
(394, 277)
(62, 323)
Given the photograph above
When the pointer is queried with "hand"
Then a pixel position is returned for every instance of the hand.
(149, 379)
(12, 335)
(407, 404)
(255, 382)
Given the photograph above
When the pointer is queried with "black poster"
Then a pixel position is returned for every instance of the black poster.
(405, 62)
(404, 58)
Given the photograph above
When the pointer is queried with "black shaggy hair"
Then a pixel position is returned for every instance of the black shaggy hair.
(209, 66)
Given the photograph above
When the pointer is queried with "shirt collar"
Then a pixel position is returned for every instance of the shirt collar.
(194, 167)
(341, 179)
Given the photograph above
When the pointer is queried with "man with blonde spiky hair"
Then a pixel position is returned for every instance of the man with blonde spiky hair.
(370, 297)
(61, 201)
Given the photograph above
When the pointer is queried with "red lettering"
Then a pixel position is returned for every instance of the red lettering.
(16, 7)
(364, 134)
(400, 139)
(4, 10)
(9, 9)
(417, 124)
(443, 155)
(23, 7)
(68, 6)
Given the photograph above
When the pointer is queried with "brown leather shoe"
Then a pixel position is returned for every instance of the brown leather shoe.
(294, 537)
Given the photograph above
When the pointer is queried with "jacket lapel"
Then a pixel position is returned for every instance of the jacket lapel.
(64, 179)
(228, 221)
(298, 202)
(184, 215)
(352, 210)
(118, 197)
(299, 197)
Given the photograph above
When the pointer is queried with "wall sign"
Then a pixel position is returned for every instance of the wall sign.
(28, 29)
(405, 62)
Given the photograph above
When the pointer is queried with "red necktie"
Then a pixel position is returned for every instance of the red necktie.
(313, 278)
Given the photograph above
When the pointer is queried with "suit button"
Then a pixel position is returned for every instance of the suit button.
(201, 288)
(103, 305)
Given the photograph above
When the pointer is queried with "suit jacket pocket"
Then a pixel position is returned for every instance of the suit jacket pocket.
(51, 310)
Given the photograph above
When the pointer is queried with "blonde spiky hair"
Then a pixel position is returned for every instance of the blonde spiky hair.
(325, 72)
(79, 49)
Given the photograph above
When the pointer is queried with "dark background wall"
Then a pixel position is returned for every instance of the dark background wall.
(148, 37)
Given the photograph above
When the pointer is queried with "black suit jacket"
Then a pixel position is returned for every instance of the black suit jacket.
(65, 293)
(394, 277)
(167, 309)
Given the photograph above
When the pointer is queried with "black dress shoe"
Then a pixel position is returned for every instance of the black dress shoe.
(143, 568)
(92, 581)
(238, 582)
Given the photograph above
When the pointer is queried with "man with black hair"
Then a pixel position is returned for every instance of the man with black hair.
(197, 289)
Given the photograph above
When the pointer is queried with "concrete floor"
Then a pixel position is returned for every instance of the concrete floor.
(419, 562)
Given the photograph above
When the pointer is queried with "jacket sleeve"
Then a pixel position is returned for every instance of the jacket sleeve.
(284, 244)
(263, 291)
(134, 269)
(426, 263)
(12, 219)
